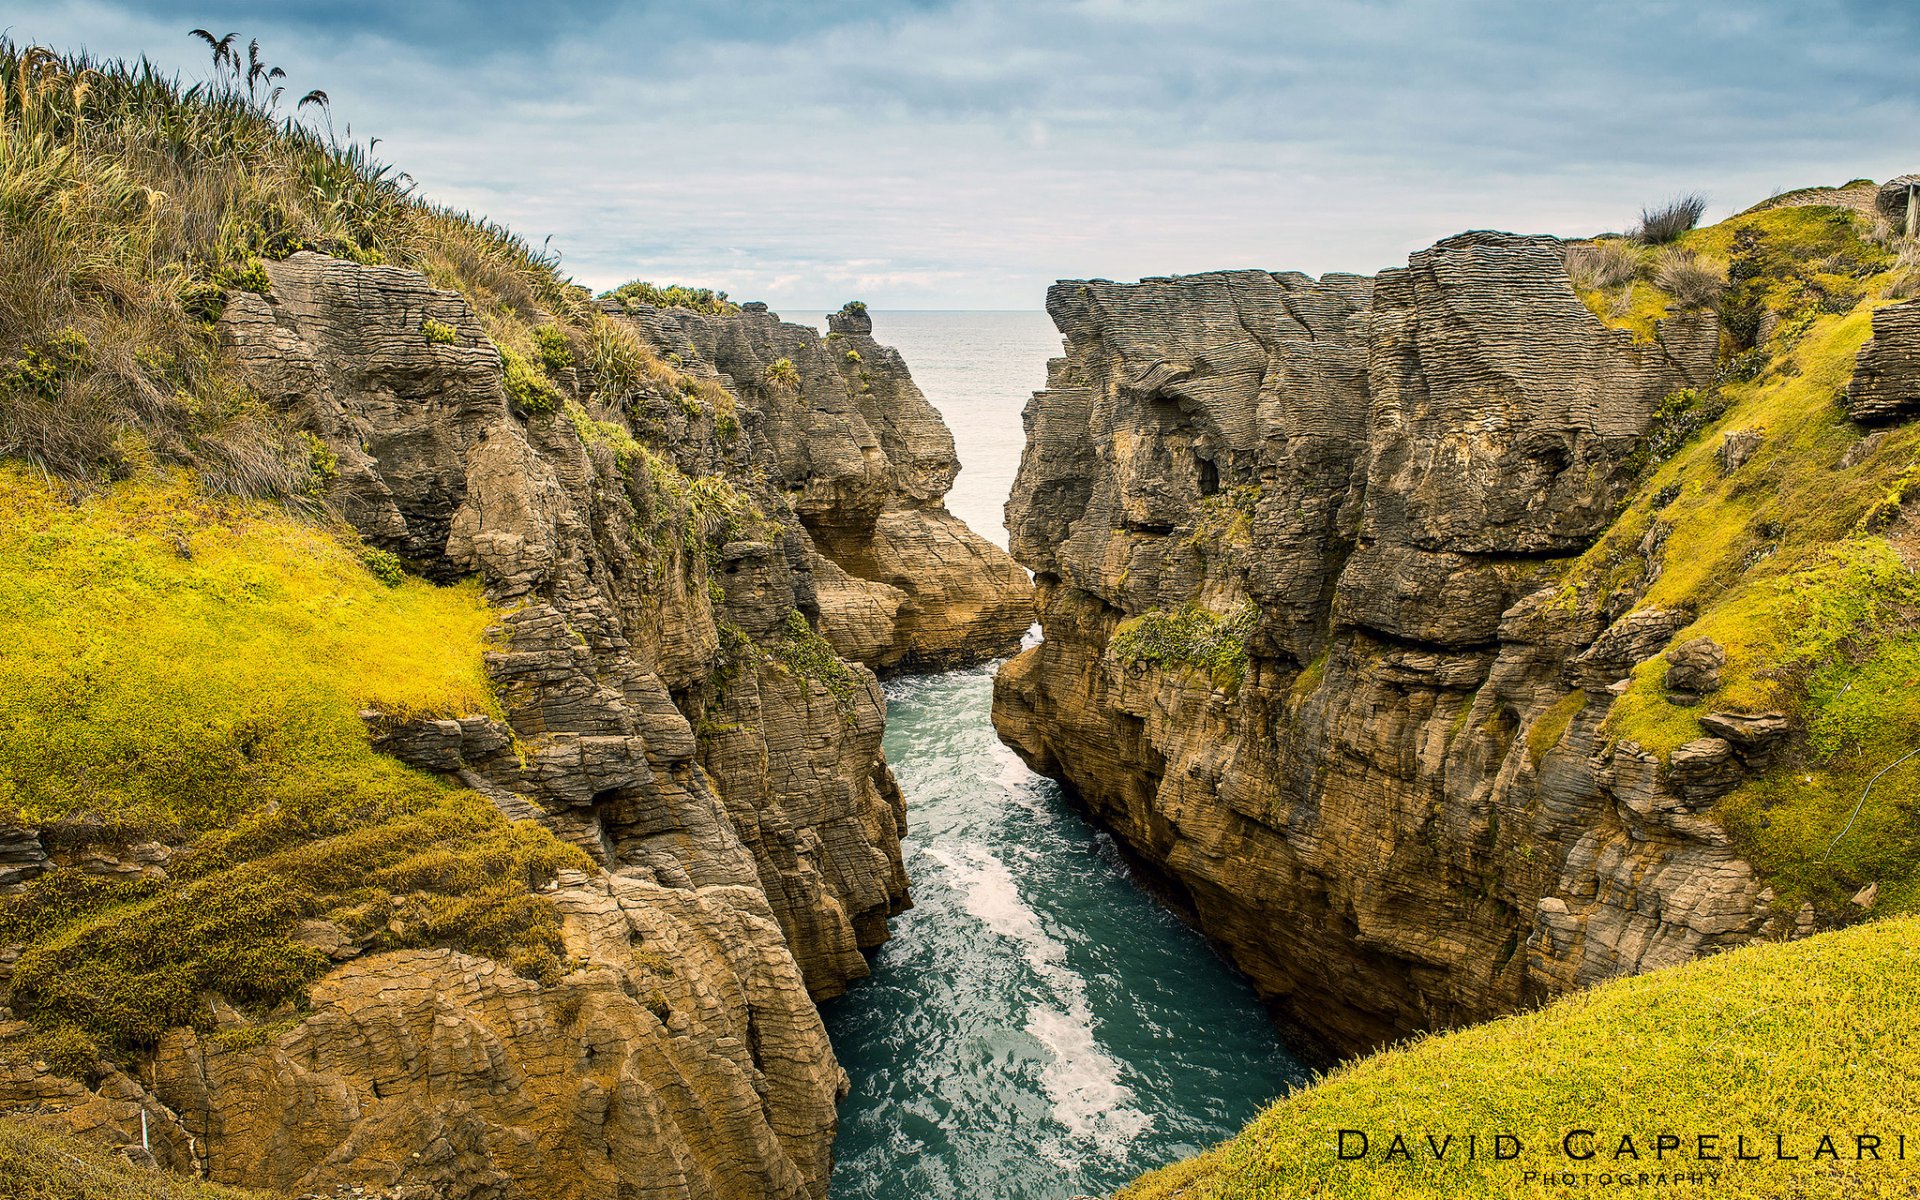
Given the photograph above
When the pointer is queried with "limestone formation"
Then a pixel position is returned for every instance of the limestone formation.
(1886, 379)
(666, 703)
(1397, 815)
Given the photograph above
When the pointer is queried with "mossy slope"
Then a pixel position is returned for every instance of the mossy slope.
(38, 1165)
(1804, 1039)
(190, 671)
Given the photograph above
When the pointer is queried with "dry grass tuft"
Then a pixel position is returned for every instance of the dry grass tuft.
(1659, 226)
(1598, 265)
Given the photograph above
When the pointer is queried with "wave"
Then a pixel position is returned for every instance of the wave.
(1082, 1081)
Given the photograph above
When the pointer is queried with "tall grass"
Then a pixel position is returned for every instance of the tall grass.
(131, 203)
(1659, 226)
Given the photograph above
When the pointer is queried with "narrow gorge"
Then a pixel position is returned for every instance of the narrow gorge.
(466, 735)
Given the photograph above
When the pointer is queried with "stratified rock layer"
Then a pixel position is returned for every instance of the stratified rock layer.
(1398, 816)
(1886, 381)
(666, 565)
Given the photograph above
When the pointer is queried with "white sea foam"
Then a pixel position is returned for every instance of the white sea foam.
(1082, 1080)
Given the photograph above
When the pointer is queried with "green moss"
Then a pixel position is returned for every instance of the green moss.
(439, 332)
(1225, 519)
(805, 653)
(1309, 679)
(1818, 1036)
(208, 696)
(1550, 726)
(1192, 636)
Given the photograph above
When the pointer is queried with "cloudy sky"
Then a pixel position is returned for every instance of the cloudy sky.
(966, 153)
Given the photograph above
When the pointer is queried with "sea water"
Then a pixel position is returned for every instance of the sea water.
(1039, 1027)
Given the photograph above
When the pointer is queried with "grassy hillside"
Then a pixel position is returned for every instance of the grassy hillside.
(1795, 562)
(189, 671)
(130, 203)
(1804, 1039)
(38, 1165)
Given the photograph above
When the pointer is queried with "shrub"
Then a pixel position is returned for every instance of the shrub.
(526, 385)
(805, 653)
(1597, 265)
(385, 566)
(639, 293)
(1193, 636)
(782, 375)
(1659, 226)
(556, 353)
(1689, 279)
(439, 332)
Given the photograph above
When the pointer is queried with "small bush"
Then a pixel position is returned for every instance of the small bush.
(639, 293)
(526, 385)
(556, 353)
(1597, 265)
(807, 654)
(384, 565)
(782, 375)
(1192, 636)
(1689, 279)
(439, 332)
(1659, 226)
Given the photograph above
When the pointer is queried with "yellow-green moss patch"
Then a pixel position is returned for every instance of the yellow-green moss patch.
(1816, 1037)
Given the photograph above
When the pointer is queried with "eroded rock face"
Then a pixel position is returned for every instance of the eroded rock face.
(667, 707)
(681, 1055)
(1886, 380)
(865, 462)
(1399, 817)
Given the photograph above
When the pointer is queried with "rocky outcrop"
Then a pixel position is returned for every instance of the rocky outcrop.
(1886, 379)
(864, 460)
(667, 554)
(1395, 813)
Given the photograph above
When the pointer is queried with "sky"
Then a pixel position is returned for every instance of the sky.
(967, 153)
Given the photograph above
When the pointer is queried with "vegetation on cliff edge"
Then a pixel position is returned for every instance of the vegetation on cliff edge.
(1791, 555)
(1808, 1038)
(188, 671)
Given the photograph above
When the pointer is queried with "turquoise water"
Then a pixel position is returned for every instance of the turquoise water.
(1038, 1027)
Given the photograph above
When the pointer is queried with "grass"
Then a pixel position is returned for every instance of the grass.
(204, 692)
(1191, 636)
(1785, 562)
(38, 1164)
(1803, 1039)
(1663, 225)
(131, 203)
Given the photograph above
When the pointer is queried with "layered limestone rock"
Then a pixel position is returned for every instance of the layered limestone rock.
(1393, 812)
(865, 462)
(666, 565)
(1886, 381)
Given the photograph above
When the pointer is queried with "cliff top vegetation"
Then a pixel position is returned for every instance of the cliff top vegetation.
(1811, 1038)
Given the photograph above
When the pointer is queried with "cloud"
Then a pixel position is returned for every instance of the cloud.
(968, 152)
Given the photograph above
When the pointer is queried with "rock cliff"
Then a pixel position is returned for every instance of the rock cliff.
(667, 549)
(1315, 643)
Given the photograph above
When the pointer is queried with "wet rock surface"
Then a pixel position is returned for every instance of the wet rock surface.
(1398, 815)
